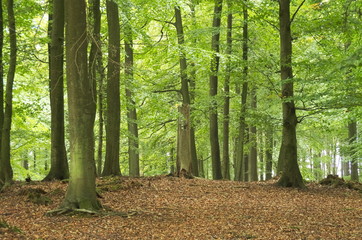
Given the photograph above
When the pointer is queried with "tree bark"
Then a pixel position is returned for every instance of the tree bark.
(253, 139)
(240, 170)
(184, 156)
(269, 153)
(214, 68)
(81, 192)
(291, 176)
(111, 164)
(96, 72)
(133, 140)
(6, 171)
(59, 163)
(226, 123)
(352, 136)
(1, 71)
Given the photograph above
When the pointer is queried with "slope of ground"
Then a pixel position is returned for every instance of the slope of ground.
(174, 208)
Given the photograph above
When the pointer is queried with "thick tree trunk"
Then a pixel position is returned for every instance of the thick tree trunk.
(184, 146)
(111, 164)
(81, 192)
(133, 140)
(1, 70)
(6, 171)
(226, 123)
(239, 172)
(184, 163)
(59, 163)
(214, 68)
(352, 135)
(291, 176)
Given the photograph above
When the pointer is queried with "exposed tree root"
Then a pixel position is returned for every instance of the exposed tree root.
(86, 212)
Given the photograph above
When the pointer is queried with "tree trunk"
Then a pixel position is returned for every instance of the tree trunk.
(253, 139)
(1, 71)
(226, 125)
(192, 79)
(6, 171)
(111, 164)
(239, 172)
(214, 68)
(96, 72)
(269, 153)
(352, 136)
(291, 176)
(81, 192)
(133, 140)
(59, 163)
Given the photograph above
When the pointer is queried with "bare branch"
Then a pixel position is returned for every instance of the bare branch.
(295, 13)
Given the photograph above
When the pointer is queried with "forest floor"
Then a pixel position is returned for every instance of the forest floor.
(175, 208)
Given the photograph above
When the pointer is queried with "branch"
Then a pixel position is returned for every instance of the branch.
(167, 90)
(295, 13)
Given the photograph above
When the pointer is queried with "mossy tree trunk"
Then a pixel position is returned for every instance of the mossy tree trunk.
(291, 176)
(59, 163)
(6, 171)
(113, 119)
(81, 192)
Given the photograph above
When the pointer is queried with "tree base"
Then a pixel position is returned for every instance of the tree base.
(86, 212)
(292, 182)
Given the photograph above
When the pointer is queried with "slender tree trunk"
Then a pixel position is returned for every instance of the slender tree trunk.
(352, 135)
(291, 176)
(245, 174)
(6, 171)
(81, 192)
(111, 164)
(133, 140)
(192, 82)
(214, 68)
(226, 125)
(184, 156)
(269, 153)
(253, 139)
(244, 92)
(261, 153)
(59, 163)
(96, 72)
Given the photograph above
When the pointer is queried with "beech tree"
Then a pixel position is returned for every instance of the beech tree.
(59, 162)
(213, 83)
(6, 171)
(113, 118)
(81, 192)
(291, 176)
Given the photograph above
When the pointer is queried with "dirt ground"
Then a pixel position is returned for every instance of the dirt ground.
(174, 208)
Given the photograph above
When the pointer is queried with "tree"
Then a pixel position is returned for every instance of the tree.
(1, 71)
(226, 122)
(241, 165)
(213, 83)
(6, 171)
(132, 124)
(253, 163)
(352, 135)
(184, 157)
(291, 176)
(81, 192)
(113, 118)
(96, 72)
(59, 162)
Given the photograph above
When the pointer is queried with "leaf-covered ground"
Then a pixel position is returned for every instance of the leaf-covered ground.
(174, 208)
